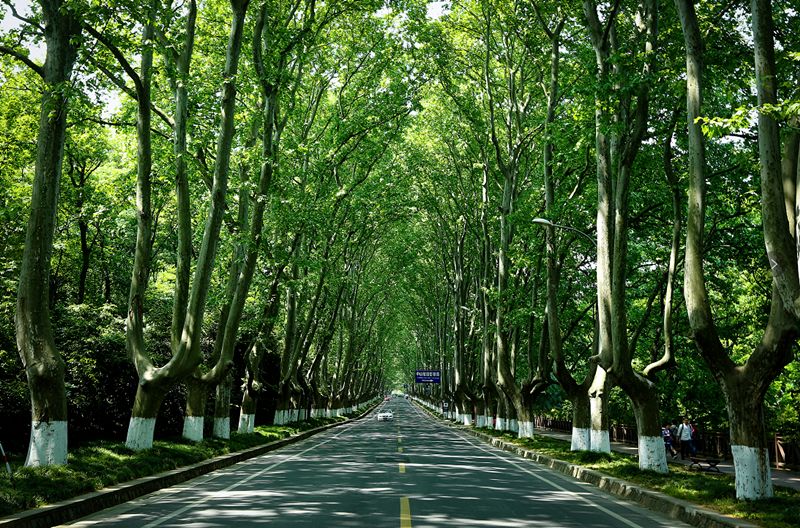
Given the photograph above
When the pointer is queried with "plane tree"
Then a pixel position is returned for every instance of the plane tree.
(59, 24)
(555, 175)
(744, 382)
(622, 111)
(488, 74)
(154, 381)
(280, 38)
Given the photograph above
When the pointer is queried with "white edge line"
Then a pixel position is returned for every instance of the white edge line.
(213, 495)
(519, 466)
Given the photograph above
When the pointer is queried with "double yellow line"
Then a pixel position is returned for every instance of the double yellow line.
(405, 506)
(405, 513)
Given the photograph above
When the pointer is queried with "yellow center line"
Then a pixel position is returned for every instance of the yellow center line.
(405, 513)
(402, 468)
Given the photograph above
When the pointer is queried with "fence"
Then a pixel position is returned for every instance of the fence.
(784, 455)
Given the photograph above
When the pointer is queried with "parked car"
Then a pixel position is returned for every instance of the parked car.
(386, 415)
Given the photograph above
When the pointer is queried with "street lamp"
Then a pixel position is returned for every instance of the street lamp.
(548, 223)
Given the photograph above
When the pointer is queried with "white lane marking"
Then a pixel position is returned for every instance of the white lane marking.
(560, 488)
(214, 494)
(540, 477)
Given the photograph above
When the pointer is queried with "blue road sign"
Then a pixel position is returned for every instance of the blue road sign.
(429, 376)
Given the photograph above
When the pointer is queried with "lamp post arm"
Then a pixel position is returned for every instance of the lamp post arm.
(546, 222)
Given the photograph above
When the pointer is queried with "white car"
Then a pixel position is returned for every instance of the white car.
(386, 416)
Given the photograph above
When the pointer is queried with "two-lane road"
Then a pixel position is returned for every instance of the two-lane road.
(413, 471)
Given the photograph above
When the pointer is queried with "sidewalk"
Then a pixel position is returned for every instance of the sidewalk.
(780, 477)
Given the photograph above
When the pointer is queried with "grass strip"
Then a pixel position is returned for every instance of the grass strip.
(100, 464)
(715, 491)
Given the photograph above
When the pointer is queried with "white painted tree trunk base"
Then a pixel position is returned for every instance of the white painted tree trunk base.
(600, 441)
(222, 428)
(193, 428)
(581, 439)
(247, 423)
(753, 474)
(467, 419)
(514, 425)
(500, 424)
(47, 445)
(525, 430)
(652, 455)
(140, 433)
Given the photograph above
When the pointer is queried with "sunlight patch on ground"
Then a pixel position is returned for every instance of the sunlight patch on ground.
(499, 523)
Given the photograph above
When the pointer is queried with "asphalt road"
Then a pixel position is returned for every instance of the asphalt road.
(413, 471)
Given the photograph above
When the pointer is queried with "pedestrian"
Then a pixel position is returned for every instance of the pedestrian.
(666, 433)
(685, 433)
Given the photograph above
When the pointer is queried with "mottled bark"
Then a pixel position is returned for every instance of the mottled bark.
(43, 365)
(743, 386)
(184, 227)
(155, 382)
(615, 161)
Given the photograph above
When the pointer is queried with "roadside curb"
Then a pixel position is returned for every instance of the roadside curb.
(88, 503)
(653, 500)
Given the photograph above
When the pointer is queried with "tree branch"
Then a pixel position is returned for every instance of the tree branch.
(24, 59)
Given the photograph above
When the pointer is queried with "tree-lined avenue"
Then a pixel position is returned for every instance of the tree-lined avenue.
(360, 475)
(228, 215)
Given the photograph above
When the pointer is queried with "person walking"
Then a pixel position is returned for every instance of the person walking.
(666, 433)
(685, 431)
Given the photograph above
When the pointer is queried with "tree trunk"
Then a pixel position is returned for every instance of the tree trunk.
(616, 350)
(43, 364)
(200, 384)
(142, 425)
(598, 408)
(149, 393)
(744, 386)
(251, 390)
(744, 398)
(86, 254)
(605, 236)
(222, 408)
(182, 194)
(581, 421)
(255, 353)
(645, 400)
(194, 416)
(188, 355)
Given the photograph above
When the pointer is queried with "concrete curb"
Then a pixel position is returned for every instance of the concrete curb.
(653, 500)
(88, 503)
